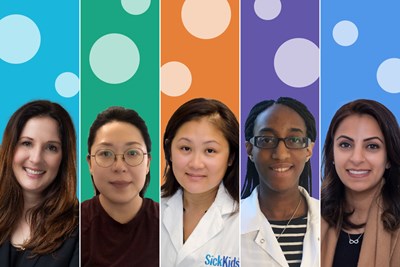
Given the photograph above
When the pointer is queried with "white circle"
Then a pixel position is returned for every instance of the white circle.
(345, 33)
(206, 19)
(67, 84)
(388, 75)
(175, 78)
(19, 39)
(114, 58)
(267, 9)
(136, 7)
(296, 62)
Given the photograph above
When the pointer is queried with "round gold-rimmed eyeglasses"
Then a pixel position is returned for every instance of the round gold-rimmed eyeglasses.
(106, 157)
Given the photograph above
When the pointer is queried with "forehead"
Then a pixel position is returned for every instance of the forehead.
(117, 131)
(44, 127)
(279, 118)
(204, 126)
(362, 125)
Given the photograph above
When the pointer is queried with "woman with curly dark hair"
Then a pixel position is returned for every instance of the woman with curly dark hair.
(360, 195)
(38, 203)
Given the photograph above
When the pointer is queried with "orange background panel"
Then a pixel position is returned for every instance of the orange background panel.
(213, 63)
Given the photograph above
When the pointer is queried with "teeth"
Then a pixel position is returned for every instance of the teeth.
(33, 171)
(358, 172)
(281, 169)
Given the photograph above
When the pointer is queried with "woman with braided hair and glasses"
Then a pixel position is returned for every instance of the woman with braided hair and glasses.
(279, 219)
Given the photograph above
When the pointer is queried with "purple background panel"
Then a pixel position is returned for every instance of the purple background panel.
(260, 40)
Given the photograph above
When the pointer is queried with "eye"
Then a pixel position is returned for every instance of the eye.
(373, 146)
(266, 139)
(295, 140)
(185, 148)
(105, 154)
(132, 153)
(26, 143)
(52, 148)
(210, 150)
(345, 145)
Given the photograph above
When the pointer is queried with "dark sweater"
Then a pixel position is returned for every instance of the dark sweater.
(106, 242)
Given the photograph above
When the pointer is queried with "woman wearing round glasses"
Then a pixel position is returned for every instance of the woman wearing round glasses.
(360, 195)
(279, 220)
(119, 226)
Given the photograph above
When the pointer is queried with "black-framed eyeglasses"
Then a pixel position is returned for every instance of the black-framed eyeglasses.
(106, 157)
(270, 142)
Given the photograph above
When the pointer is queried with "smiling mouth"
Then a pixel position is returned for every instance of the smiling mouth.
(358, 172)
(34, 172)
(281, 169)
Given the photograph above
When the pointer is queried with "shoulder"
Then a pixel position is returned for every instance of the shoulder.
(88, 212)
(151, 208)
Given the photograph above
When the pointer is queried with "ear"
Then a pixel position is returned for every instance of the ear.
(388, 165)
(309, 150)
(148, 164)
(231, 158)
(88, 159)
(249, 150)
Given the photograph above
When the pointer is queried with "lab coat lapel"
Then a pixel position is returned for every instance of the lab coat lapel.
(209, 226)
(173, 220)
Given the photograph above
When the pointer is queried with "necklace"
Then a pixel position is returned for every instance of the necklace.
(291, 218)
(354, 241)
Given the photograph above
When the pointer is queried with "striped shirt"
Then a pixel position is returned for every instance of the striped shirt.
(291, 241)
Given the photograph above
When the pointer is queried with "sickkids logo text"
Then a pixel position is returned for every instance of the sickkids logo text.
(224, 261)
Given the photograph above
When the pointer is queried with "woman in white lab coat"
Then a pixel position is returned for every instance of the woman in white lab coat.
(199, 205)
(279, 220)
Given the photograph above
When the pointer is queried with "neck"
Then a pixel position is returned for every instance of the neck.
(360, 202)
(281, 205)
(201, 201)
(121, 212)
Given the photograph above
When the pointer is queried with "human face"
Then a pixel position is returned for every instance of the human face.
(279, 168)
(119, 183)
(199, 155)
(359, 153)
(37, 155)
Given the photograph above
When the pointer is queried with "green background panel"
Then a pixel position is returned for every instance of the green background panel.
(140, 93)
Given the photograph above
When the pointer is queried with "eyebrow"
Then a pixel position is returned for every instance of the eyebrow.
(365, 140)
(190, 141)
(126, 144)
(50, 141)
(267, 129)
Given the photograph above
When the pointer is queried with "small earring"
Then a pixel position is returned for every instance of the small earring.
(251, 157)
(333, 163)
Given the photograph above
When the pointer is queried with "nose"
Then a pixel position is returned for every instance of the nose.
(357, 156)
(196, 161)
(35, 155)
(281, 152)
(119, 164)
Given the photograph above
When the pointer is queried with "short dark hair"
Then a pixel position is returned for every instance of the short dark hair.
(121, 114)
(332, 190)
(252, 179)
(226, 122)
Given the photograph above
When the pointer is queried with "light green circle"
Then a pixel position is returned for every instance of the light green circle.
(114, 58)
(136, 7)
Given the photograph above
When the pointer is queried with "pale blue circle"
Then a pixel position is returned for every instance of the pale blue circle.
(388, 75)
(136, 7)
(19, 39)
(114, 58)
(267, 9)
(345, 33)
(67, 84)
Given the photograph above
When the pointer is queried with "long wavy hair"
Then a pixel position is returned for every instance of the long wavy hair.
(333, 190)
(252, 178)
(56, 216)
(120, 114)
(226, 122)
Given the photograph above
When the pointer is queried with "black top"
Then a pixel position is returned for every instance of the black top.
(346, 254)
(106, 242)
(291, 240)
(65, 256)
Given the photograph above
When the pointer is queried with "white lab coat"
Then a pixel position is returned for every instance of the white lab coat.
(259, 244)
(215, 240)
